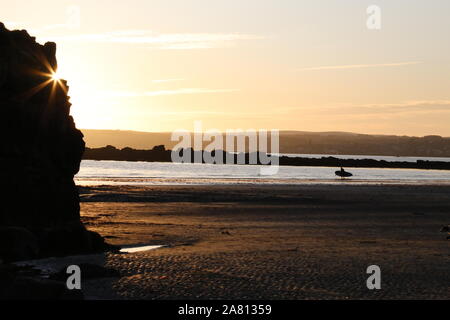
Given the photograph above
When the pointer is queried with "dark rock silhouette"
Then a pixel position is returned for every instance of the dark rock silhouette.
(447, 230)
(21, 283)
(157, 154)
(40, 152)
(89, 271)
(18, 244)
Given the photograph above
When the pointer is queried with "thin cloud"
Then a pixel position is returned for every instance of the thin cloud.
(131, 94)
(360, 66)
(12, 25)
(186, 91)
(169, 41)
(421, 106)
(431, 106)
(166, 80)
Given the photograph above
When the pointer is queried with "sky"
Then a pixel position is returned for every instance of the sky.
(161, 65)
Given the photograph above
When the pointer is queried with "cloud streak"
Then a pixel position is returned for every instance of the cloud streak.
(12, 25)
(360, 66)
(166, 80)
(421, 106)
(132, 94)
(169, 41)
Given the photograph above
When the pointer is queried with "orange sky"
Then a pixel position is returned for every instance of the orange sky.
(293, 65)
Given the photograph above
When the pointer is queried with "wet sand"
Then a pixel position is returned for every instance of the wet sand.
(271, 242)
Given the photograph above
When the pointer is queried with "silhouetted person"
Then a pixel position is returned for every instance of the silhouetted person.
(343, 174)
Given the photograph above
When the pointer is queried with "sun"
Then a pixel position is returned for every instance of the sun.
(55, 77)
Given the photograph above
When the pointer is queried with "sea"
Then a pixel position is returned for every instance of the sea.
(153, 173)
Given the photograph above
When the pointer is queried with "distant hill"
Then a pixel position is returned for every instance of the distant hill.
(295, 142)
(122, 139)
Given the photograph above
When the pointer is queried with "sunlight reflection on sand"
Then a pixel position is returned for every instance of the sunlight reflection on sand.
(139, 249)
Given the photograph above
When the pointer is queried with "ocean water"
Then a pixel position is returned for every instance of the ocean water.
(361, 157)
(150, 173)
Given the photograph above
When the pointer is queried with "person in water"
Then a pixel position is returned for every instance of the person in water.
(343, 174)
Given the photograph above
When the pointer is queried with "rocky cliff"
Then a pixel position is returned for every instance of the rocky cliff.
(40, 152)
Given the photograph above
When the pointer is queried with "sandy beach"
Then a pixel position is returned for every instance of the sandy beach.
(224, 150)
(269, 242)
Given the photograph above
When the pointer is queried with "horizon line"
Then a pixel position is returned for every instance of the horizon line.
(281, 131)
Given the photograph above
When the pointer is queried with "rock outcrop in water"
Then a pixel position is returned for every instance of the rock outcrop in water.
(160, 154)
(40, 152)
